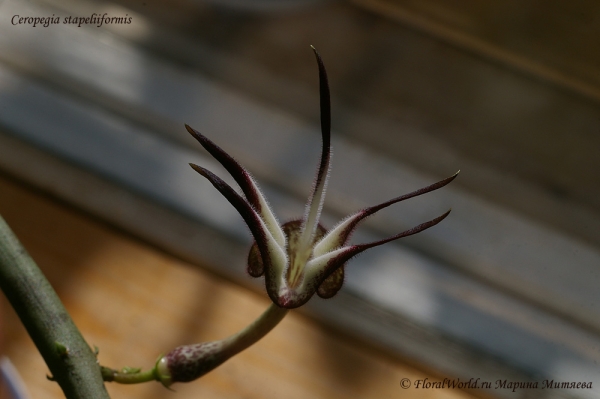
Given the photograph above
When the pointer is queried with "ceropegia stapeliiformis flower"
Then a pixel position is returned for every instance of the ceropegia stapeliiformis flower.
(300, 258)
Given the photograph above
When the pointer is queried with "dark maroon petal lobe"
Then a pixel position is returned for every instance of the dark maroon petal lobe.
(353, 220)
(315, 203)
(325, 121)
(239, 174)
(325, 102)
(242, 206)
(332, 284)
(354, 250)
(255, 266)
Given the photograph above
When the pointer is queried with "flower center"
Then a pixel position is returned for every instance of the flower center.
(298, 256)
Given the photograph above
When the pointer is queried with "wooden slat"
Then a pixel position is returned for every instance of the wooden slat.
(549, 41)
(135, 302)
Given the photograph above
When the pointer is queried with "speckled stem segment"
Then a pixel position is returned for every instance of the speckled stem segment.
(189, 362)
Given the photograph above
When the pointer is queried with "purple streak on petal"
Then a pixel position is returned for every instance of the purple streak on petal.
(292, 299)
(354, 250)
(240, 175)
(243, 207)
(360, 215)
(325, 101)
(315, 204)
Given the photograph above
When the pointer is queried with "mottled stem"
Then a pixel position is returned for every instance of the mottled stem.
(71, 361)
(189, 362)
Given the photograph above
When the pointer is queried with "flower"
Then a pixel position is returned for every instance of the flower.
(300, 258)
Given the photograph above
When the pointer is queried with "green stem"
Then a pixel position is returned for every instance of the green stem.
(71, 361)
(128, 377)
(253, 332)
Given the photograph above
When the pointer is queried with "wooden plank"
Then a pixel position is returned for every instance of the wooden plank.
(135, 302)
(549, 41)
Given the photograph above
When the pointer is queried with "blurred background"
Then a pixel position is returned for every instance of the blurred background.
(506, 91)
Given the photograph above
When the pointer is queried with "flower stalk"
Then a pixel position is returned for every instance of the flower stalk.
(190, 362)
